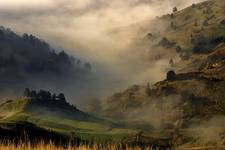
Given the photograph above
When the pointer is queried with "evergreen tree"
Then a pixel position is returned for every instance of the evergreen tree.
(171, 75)
(54, 97)
(148, 90)
(33, 94)
(61, 97)
(27, 92)
(175, 9)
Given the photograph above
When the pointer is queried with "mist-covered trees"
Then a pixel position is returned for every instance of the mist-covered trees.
(31, 56)
(43, 95)
(175, 9)
(26, 60)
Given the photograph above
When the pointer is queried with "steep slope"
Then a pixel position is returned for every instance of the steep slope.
(206, 83)
(188, 105)
(179, 34)
(196, 29)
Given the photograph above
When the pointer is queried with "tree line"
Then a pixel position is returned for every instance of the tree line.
(43, 95)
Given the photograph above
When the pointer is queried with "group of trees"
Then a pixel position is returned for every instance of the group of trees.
(43, 95)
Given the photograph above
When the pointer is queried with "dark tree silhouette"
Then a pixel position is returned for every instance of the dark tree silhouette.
(178, 49)
(148, 90)
(175, 9)
(205, 23)
(48, 95)
(44, 95)
(171, 75)
(27, 92)
(222, 22)
(54, 97)
(33, 94)
(61, 97)
(87, 66)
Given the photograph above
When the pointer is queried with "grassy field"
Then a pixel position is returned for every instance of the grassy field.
(50, 146)
(100, 130)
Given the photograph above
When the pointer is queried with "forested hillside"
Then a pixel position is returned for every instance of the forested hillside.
(26, 61)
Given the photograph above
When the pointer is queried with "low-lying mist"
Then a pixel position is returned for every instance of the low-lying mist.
(83, 28)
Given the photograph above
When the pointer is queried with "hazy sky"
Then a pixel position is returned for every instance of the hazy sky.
(81, 27)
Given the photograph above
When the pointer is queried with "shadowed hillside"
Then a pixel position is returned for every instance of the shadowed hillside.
(26, 61)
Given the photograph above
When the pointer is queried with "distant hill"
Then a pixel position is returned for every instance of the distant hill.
(26, 61)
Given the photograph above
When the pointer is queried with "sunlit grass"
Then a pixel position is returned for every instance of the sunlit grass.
(51, 146)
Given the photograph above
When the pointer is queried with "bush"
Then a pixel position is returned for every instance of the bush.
(204, 45)
(164, 42)
(175, 9)
(178, 49)
(205, 23)
(171, 75)
(222, 22)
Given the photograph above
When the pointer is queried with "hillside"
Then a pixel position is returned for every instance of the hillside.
(188, 106)
(179, 34)
(178, 106)
(27, 61)
(52, 112)
(196, 29)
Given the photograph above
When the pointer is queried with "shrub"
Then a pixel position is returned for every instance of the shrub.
(205, 23)
(222, 22)
(171, 75)
(175, 9)
(178, 49)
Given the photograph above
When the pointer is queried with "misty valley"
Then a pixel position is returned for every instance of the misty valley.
(112, 75)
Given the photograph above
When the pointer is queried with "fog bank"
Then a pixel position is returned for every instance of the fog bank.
(82, 28)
